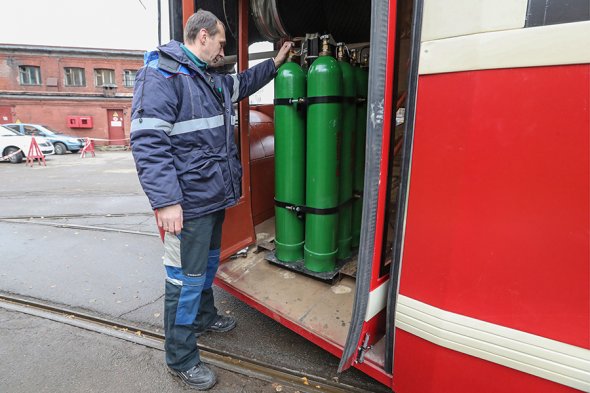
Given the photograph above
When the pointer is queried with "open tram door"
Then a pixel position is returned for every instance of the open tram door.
(370, 338)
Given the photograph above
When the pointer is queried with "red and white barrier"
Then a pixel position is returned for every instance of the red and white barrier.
(109, 140)
(89, 145)
(9, 156)
(35, 153)
(88, 148)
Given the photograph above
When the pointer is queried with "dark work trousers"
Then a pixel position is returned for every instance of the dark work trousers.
(188, 305)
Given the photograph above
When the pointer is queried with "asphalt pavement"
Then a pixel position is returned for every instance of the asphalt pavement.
(47, 356)
(53, 252)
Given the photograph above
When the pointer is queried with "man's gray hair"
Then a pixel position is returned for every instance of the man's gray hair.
(200, 20)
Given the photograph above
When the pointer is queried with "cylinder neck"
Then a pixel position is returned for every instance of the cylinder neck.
(341, 54)
(364, 62)
(291, 56)
(325, 46)
(354, 57)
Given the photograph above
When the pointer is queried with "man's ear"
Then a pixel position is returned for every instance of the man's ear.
(202, 36)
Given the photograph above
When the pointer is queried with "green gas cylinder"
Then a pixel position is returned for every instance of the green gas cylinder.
(290, 86)
(324, 91)
(361, 77)
(346, 162)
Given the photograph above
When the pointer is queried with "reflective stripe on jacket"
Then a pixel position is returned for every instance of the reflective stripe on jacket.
(182, 130)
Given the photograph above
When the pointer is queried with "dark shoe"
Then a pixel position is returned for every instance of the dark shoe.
(199, 377)
(223, 323)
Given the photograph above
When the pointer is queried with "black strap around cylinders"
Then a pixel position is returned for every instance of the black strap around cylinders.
(301, 210)
(288, 206)
(313, 100)
(289, 101)
(325, 211)
(324, 100)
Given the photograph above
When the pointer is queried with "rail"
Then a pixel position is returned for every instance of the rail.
(222, 359)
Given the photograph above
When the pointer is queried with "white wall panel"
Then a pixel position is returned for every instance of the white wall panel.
(451, 18)
(567, 43)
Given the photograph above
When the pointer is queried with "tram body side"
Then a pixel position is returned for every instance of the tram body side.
(494, 289)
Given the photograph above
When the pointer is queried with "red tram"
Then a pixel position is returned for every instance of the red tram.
(473, 264)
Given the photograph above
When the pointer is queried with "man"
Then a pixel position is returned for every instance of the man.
(182, 141)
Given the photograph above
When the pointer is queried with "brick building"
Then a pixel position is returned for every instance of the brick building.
(79, 91)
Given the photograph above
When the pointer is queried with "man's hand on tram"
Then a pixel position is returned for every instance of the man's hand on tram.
(283, 52)
(170, 219)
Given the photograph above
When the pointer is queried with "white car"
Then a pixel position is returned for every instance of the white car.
(11, 142)
(61, 142)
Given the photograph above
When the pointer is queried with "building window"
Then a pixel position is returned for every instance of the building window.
(75, 76)
(30, 75)
(129, 78)
(104, 77)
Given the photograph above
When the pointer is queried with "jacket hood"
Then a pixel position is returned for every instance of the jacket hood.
(174, 50)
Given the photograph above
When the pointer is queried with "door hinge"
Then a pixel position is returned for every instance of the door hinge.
(360, 357)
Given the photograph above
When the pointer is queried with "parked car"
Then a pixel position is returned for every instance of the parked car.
(11, 142)
(62, 143)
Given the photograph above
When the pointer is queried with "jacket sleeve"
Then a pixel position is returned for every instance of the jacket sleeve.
(250, 81)
(154, 111)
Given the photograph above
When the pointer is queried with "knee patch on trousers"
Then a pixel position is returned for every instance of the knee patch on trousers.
(190, 294)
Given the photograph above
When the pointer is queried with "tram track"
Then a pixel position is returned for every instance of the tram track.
(219, 358)
(80, 227)
(40, 220)
(75, 215)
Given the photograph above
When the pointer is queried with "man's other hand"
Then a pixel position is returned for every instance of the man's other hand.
(170, 219)
(283, 53)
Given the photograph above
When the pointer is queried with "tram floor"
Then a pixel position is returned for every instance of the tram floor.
(323, 309)
(318, 307)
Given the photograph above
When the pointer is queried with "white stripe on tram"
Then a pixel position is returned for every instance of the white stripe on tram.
(567, 43)
(451, 18)
(377, 301)
(549, 359)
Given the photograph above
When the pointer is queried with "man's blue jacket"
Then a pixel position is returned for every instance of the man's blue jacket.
(182, 130)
